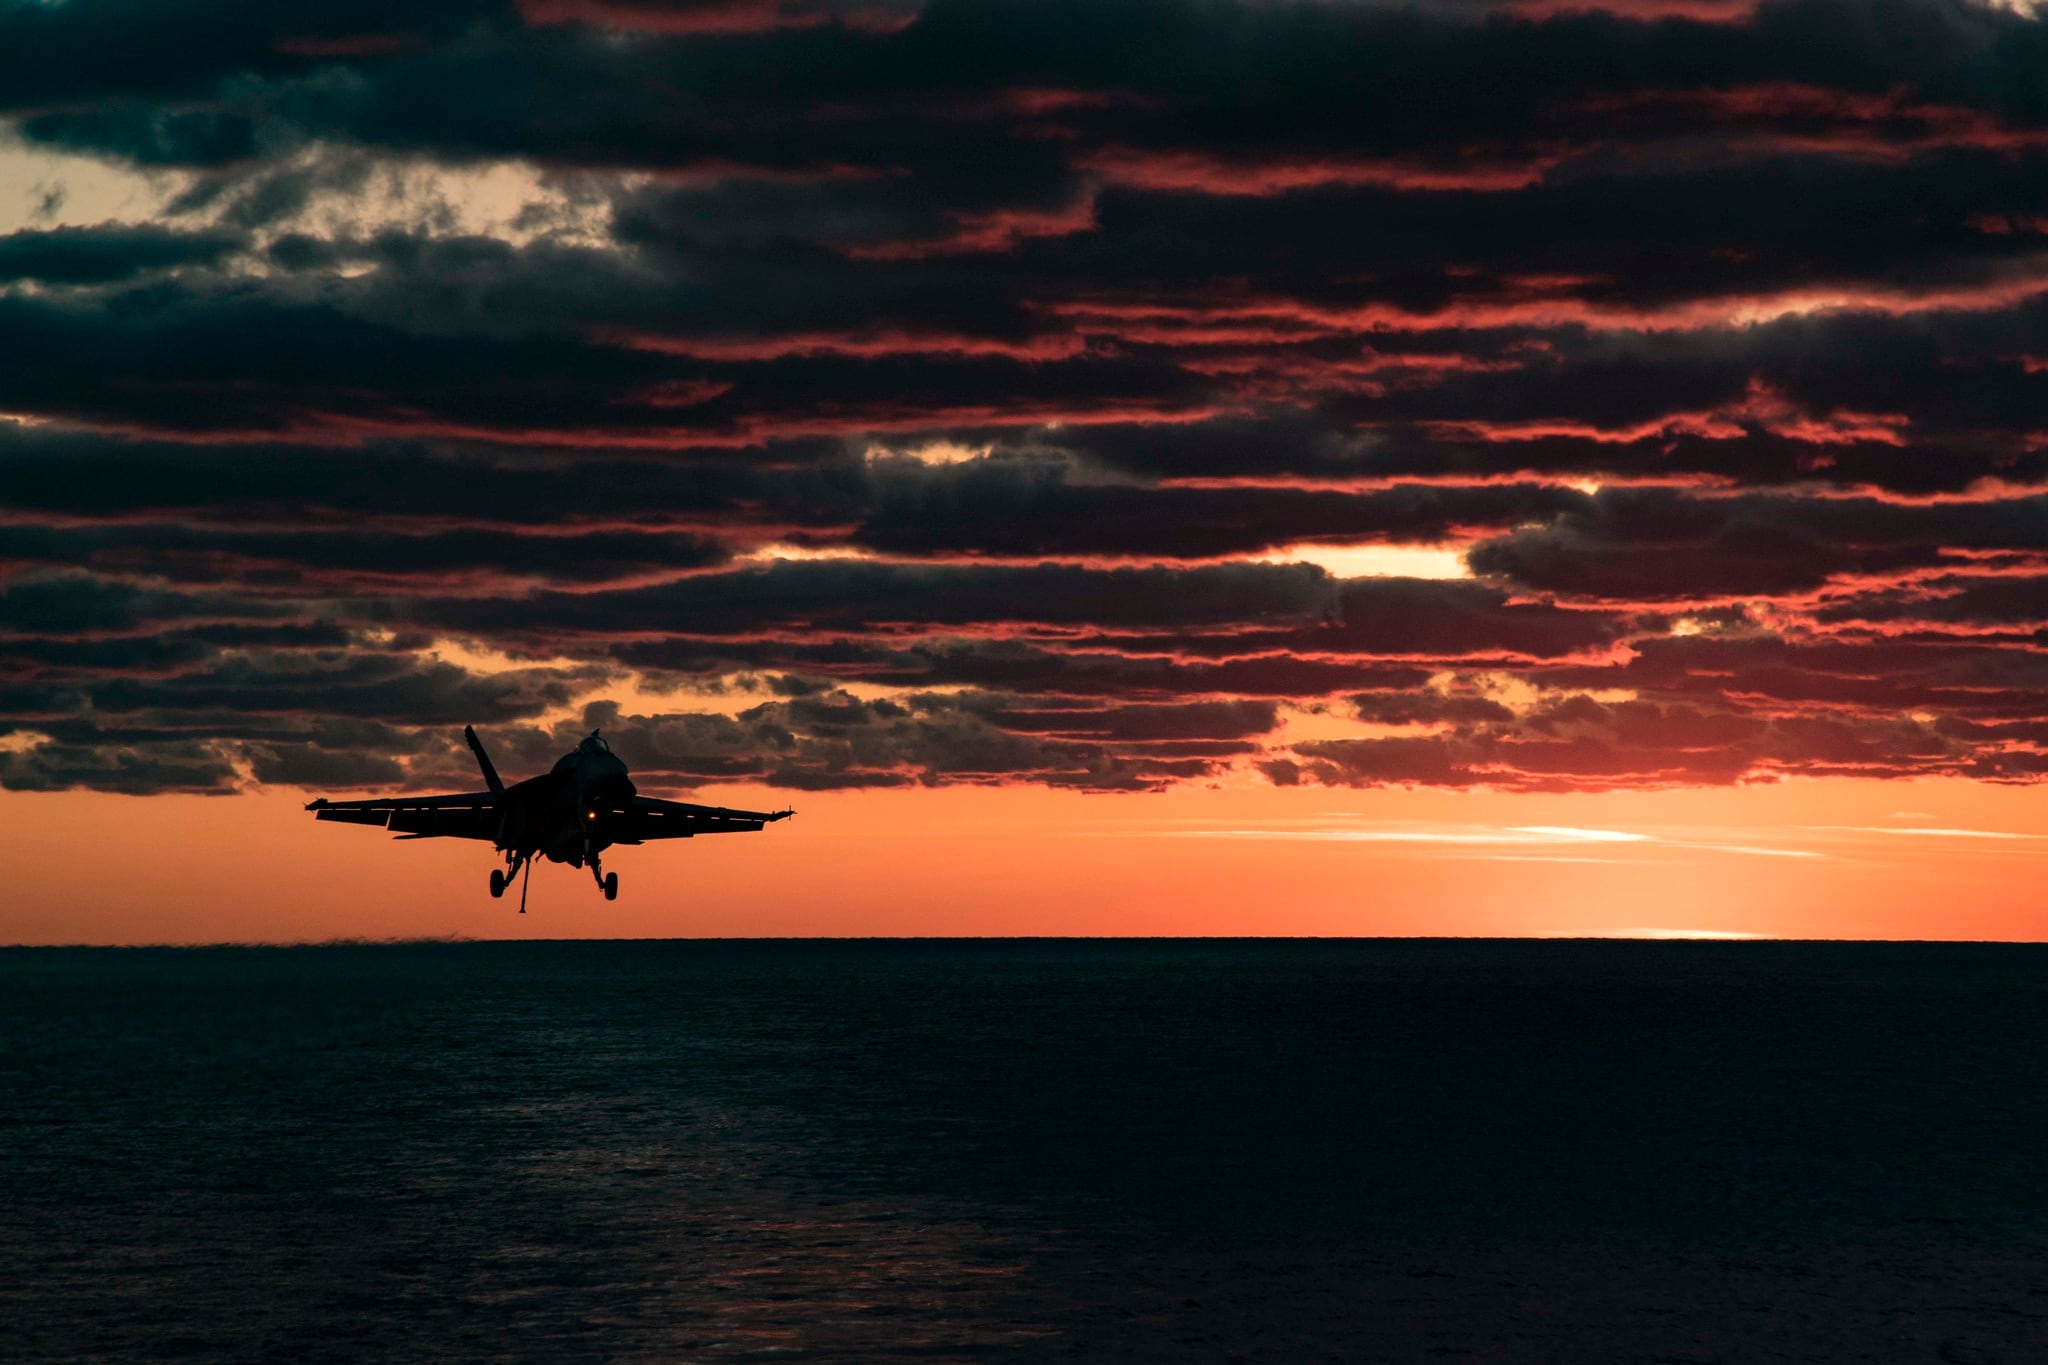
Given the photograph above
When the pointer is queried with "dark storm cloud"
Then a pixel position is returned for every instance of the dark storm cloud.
(1022, 507)
(163, 650)
(1631, 238)
(1026, 666)
(832, 738)
(1652, 543)
(161, 362)
(362, 559)
(2004, 603)
(161, 766)
(56, 55)
(399, 689)
(301, 765)
(910, 599)
(313, 372)
(1230, 78)
(1753, 458)
(548, 335)
(1449, 619)
(1201, 613)
(1182, 722)
(1642, 744)
(81, 604)
(1011, 506)
(1947, 676)
(149, 137)
(105, 255)
(71, 476)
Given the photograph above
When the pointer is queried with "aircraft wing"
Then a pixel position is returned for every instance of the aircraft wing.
(464, 815)
(645, 817)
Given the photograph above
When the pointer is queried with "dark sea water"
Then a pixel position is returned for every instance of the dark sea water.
(1263, 1151)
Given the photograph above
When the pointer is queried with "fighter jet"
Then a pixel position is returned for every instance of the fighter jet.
(571, 814)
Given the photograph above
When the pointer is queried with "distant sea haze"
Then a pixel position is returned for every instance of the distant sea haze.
(1044, 1149)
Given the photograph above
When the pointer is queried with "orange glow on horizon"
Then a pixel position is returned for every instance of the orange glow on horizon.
(1800, 859)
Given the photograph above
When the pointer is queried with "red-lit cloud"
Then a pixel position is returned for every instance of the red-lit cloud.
(1539, 396)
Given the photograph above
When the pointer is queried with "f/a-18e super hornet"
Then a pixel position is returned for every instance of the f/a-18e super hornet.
(570, 814)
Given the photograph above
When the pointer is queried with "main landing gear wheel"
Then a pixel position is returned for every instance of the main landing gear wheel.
(497, 883)
(611, 886)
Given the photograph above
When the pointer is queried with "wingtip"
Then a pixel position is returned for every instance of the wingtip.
(316, 804)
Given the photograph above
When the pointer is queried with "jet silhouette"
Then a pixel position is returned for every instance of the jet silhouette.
(570, 814)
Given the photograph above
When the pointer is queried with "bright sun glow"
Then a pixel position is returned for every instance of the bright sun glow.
(1374, 561)
(930, 453)
(782, 550)
(1735, 934)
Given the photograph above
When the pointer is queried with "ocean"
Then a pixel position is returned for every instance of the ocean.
(1260, 1150)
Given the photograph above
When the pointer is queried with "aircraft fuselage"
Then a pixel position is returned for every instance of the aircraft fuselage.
(558, 814)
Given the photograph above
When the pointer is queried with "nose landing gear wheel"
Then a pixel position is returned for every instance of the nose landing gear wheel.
(497, 883)
(611, 886)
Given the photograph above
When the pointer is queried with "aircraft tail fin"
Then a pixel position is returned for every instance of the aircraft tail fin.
(483, 760)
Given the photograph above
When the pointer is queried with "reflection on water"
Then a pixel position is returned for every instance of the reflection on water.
(1277, 1151)
(477, 1151)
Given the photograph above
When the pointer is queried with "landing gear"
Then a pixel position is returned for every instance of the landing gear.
(515, 863)
(607, 882)
(611, 886)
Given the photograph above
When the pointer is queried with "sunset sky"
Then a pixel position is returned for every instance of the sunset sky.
(1114, 466)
